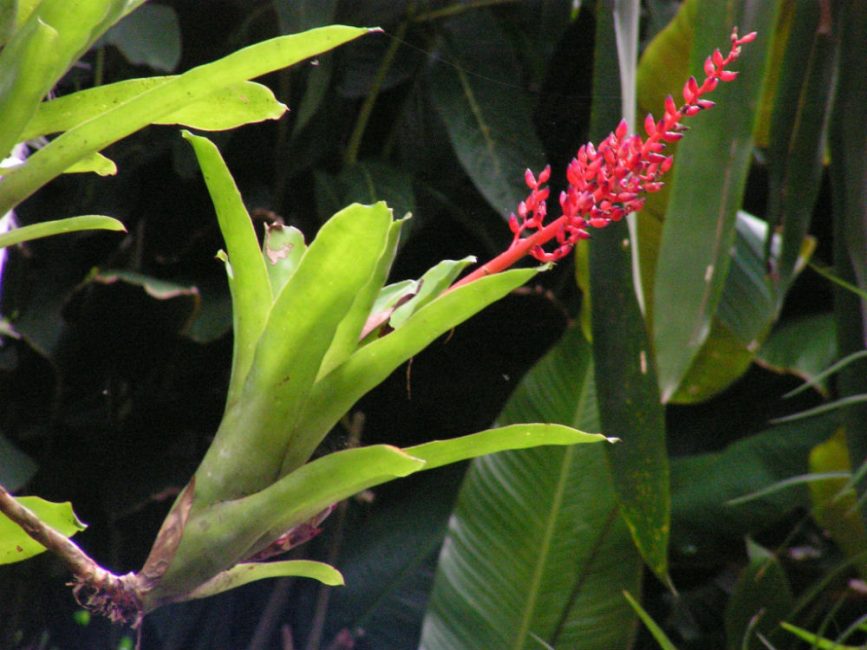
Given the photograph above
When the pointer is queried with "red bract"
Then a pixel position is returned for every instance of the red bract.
(609, 181)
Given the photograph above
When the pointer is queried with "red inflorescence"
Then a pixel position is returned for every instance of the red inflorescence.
(609, 181)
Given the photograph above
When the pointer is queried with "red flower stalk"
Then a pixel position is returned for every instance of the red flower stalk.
(609, 181)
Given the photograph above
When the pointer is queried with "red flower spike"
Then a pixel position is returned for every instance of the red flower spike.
(609, 182)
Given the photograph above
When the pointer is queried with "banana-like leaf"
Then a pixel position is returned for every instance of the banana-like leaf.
(142, 109)
(536, 554)
(248, 277)
(60, 227)
(707, 187)
(16, 545)
(628, 394)
(334, 394)
(247, 572)
(488, 122)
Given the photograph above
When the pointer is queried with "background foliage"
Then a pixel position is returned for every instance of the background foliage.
(110, 393)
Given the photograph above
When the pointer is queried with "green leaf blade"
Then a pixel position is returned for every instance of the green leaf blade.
(16, 545)
(60, 227)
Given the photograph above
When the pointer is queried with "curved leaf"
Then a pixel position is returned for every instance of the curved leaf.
(150, 36)
(488, 120)
(706, 191)
(60, 227)
(226, 108)
(536, 553)
(16, 545)
(247, 572)
(141, 110)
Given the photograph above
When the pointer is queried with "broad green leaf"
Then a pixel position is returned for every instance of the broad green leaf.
(747, 309)
(283, 247)
(248, 277)
(366, 181)
(658, 634)
(802, 347)
(705, 524)
(346, 338)
(59, 227)
(797, 146)
(430, 285)
(848, 132)
(707, 187)
(334, 394)
(16, 545)
(221, 535)
(516, 436)
(487, 118)
(536, 553)
(150, 36)
(628, 395)
(143, 109)
(760, 600)
(226, 108)
(247, 572)
(301, 326)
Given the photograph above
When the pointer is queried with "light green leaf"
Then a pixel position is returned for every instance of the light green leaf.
(815, 640)
(536, 555)
(59, 227)
(334, 394)
(515, 436)
(706, 191)
(431, 285)
(301, 326)
(248, 277)
(96, 163)
(226, 108)
(247, 572)
(283, 247)
(141, 110)
(16, 545)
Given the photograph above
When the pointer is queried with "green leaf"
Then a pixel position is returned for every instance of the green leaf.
(96, 163)
(301, 326)
(802, 347)
(368, 181)
(248, 277)
(150, 36)
(658, 635)
(760, 600)
(848, 172)
(516, 436)
(247, 572)
(143, 109)
(705, 523)
(536, 553)
(815, 640)
(283, 247)
(227, 108)
(797, 146)
(487, 119)
(16, 467)
(334, 394)
(628, 396)
(706, 191)
(430, 285)
(16, 545)
(59, 227)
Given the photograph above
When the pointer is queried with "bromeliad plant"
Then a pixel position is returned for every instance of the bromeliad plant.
(315, 328)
